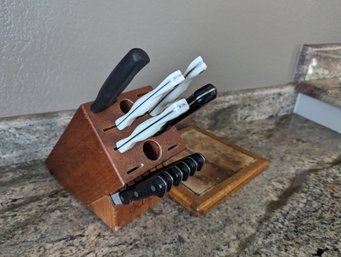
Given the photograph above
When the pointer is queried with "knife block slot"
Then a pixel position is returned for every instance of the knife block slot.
(172, 147)
(85, 162)
(125, 105)
(135, 168)
(151, 150)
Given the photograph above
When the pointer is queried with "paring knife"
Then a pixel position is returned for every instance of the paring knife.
(151, 126)
(157, 183)
(120, 78)
(149, 100)
(196, 67)
(198, 99)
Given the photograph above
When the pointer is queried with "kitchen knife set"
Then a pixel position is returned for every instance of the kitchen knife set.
(162, 180)
(165, 110)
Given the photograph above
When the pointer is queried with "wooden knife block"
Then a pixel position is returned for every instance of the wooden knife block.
(86, 163)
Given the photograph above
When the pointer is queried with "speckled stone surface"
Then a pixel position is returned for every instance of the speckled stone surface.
(293, 209)
(319, 61)
(327, 90)
(30, 137)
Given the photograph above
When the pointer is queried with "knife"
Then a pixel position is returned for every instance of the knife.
(149, 127)
(158, 183)
(168, 178)
(177, 174)
(200, 159)
(120, 78)
(192, 164)
(198, 99)
(153, 186)
(196, 67)
(186, 170)
(148, 101)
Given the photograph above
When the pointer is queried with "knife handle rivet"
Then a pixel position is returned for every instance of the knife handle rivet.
(136, 194)
(152, 187)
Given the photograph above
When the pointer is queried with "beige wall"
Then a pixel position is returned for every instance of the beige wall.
(55, 54)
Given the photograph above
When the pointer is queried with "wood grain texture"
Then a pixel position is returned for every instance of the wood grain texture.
(227, 168)
(86, 163)
(117, 217)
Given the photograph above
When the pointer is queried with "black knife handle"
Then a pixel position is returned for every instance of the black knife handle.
(177, 175)
(195, 101)
(186, 170)
(168, 178)
(120, 78)
(192, 164)
(153, 186)
(161, 181)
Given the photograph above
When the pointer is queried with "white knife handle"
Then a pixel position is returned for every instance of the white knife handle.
(151, 126)
(196, 67)
(149, 100)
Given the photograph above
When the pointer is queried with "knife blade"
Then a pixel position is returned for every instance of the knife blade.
(148, 101)
(196, 67)
(198, 99)
(120, 78)
(149, 127)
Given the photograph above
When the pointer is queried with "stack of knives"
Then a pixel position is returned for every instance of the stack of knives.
(164, 110)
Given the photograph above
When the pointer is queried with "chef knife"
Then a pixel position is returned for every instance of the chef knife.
(149, 127)
(120, 78)
(148, 101)
(196, 67)
(198, 99)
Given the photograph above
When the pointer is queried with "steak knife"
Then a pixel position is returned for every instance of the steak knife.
(198, 99)
(196, 67)
(148, 101)
(151, 126)
(120, 78)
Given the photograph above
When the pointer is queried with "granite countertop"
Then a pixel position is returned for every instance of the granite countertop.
(327, 90)
(292, 209)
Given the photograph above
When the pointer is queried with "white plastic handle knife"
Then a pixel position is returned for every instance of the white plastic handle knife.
(196, 67)
(149, 100)
(151, 126)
